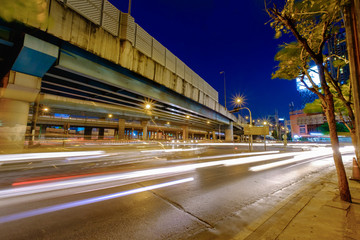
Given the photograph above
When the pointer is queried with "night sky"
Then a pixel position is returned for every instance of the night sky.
(211, 36)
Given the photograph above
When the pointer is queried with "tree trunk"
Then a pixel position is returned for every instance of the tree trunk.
(352, 27)
(341, 174)
(355, 143)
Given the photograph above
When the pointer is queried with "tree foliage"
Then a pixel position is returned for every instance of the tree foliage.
(324, 128)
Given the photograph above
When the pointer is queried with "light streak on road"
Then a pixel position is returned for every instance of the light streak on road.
(40, 211)
(261, 158)
(171, 150)
(37, 156)
(149, 173)
(320, 152)
(155, 173)
(224, 156)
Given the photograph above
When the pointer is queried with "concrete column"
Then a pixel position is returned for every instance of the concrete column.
(193, 136)
(157, 135)
(132, 133)
(101, 133)
(121, 129)
(87, 133)
(66, 129)
(214, 135)
(144, 125)
(18, 90)
(185, 133)
(229, 134)
(13, 121)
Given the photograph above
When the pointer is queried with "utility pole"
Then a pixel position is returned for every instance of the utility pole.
(352, 27)
(223, 72)
(129, 10)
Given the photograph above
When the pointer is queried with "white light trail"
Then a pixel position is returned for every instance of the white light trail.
(303, 156)
(171, 150)
(224, 156)
(40, 211)
(27, 156)
(260, 158)
(153, 173)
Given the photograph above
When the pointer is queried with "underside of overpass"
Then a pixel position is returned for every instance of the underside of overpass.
(40, 70)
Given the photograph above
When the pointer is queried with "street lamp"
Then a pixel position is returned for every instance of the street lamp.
(250, 125)
(223, 72)
(148, 106)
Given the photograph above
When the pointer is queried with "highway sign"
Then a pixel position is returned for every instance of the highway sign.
(254, 130)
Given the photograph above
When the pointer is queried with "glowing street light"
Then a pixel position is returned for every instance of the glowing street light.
(110, 115)
(45, 109)
(187, 116)
(148, 106)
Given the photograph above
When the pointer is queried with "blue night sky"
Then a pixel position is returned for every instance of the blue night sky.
(211, 36)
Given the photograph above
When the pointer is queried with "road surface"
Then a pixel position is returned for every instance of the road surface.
(142, 191)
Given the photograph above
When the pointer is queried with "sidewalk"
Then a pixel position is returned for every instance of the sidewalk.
(315, 213)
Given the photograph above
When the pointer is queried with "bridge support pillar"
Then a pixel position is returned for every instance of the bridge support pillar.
(213, 135)
(13, 117)
(229, 134)
(185, 135)
(144, 125)
(121, 129)
(87, 133)
(17, 91)
(101, 133)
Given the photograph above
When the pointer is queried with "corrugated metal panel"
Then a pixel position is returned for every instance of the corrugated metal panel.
(222, 110)
(201, 97)
(187, 76)
(158, 52)
(212, 103)
(202, 84)
(179, 85)
(91, 9)
(127, 27)
(170, 61)
(188, 90)
(194, 78)
(110, 20)
(195, 94)
(217, 107)
(143, 41)
(180, 68)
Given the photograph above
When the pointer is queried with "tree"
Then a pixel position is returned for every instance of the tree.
(312, 23)
(351, 13)
(343, 108)
(274, 134)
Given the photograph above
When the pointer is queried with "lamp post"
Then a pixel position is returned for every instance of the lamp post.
(238, 101)
(223, 72)
(129, 10)
(251, 138)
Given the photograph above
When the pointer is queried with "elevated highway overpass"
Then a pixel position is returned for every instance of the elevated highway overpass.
(90, 60)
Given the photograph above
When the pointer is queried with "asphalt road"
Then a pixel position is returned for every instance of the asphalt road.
(150, 191)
